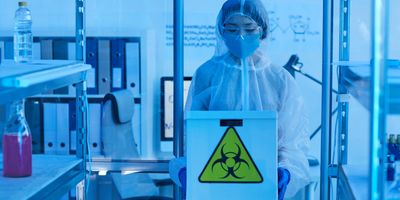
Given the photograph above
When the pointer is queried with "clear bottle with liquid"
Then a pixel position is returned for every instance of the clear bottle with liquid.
(23, 39)
(17, 143)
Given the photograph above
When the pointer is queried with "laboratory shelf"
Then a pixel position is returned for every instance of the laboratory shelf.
(52, 176)
(353, 183)
(357, 76)
(20, 80)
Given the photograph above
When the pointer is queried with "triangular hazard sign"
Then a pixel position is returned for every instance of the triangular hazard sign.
(230, 162)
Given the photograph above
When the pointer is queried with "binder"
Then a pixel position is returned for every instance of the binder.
(8, 50)
(104, 78)
(71, 51)
(34, 117)
(133, 67)
(62, 146)
(60, 49)
(46, 49)
(49, 127)
(91, 58)
(118, 71)
(60, 52)
(94, 128)
(72, 127)
(137, 126)
(2, 50)
(71, 56)
(36, 51)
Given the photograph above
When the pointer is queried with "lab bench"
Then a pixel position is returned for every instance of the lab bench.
(52, 176)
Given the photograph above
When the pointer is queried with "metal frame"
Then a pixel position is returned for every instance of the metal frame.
(178, 85)
(326, 99)
(378, 98)
(343, 105)
(81, 89)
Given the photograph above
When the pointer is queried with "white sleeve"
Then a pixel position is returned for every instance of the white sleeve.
(293, 140)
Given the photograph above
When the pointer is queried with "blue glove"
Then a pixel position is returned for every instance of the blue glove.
(283, 181)
(177, 172)
(182, 179)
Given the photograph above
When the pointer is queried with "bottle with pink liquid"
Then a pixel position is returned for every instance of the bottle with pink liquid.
(17, 143)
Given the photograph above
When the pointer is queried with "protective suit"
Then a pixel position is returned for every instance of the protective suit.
(217, 85)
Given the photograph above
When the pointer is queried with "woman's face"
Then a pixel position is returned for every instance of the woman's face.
(240, 25)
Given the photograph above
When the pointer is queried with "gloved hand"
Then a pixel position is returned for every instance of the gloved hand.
(283, 181)
(182, 179)
(177, 171)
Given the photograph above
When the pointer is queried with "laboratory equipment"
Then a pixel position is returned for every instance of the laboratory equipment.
(17, 143)
(23, 33)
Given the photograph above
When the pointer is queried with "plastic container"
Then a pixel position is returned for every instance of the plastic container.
(17, 143)
(23, 34)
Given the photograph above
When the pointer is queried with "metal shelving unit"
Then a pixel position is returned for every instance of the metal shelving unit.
(375, 84)
(52, 176)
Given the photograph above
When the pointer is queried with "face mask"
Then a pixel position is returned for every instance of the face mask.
(242, 46)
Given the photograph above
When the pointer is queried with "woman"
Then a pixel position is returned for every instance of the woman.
(242, 29)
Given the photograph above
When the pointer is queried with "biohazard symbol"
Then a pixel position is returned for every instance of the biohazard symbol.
(230, 162)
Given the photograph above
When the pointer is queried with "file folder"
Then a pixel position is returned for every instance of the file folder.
(118, 71)
(62, 147)
(133, 67)
(91, 59)
(72, 127)
(94, 128)
(137, 126)
(60, 52)
(71, 56)
(36, 52)
(8, 50)
(50, 127)
(34, 117)
(46, 49)
(104, 78)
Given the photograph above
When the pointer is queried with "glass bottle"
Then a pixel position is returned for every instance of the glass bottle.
(17, 143)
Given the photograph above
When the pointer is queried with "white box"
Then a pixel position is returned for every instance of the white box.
(231, 155)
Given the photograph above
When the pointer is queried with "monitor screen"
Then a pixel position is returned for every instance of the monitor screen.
(167, 105)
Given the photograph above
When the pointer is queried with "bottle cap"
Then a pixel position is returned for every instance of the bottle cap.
(23, 3)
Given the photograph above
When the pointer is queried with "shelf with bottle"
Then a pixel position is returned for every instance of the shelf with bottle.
(52, 176)
(357, 76)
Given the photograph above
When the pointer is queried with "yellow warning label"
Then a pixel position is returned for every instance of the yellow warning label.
(230, 162)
